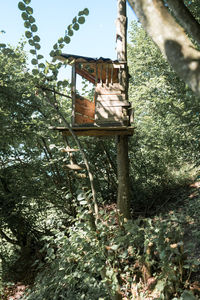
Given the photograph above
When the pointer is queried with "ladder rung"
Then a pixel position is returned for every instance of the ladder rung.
(69, 150)
(74, 167)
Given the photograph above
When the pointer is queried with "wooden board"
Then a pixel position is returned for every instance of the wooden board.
(80, 119)
(86, 74)
(109, 112)
(114, 88)
(86, 111)
(98, 131)
(84, 102)
(114, 97)
(74, 167)
(69, 150)
(112, 103)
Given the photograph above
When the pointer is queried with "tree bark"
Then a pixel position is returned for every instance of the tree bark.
(171, 39)
(185, 18)
(123, 198)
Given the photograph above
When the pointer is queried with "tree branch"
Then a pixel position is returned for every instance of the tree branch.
(44, 88)
(94, 205)
(186, 19)
(171, 39)
(9, 240)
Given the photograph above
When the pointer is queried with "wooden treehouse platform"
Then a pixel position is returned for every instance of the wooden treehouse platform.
(97, 131)
(108, 111)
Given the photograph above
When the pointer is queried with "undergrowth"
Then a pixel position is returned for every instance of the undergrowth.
(148, 258)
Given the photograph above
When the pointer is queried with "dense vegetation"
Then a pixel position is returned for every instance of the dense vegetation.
(49, 241)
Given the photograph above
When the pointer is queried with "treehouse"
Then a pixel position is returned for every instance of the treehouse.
(108, 112)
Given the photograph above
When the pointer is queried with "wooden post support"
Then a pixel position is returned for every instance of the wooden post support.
(73, 92)
(123, 199)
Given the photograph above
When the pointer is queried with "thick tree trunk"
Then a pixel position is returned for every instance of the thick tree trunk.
(123, 199)
(171, 38)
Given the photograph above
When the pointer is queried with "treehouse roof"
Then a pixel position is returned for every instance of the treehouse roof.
(71, 58)
(87, 66)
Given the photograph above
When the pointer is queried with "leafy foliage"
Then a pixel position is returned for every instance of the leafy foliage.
(166, 117)
(91, 265)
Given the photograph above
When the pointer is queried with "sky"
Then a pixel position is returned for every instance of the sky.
(95, 38)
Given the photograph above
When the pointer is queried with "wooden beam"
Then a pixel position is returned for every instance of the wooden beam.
(123, 197)
(97, 131)
(121, 97)
(112, 103)
(80, 119)
(115, 88)
(69, 150)
(73, 91)
(74, 167)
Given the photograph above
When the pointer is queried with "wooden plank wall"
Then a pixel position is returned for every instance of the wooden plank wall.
(84, 111)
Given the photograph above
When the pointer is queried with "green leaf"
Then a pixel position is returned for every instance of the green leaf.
(31, 42)
(42, 66)
(80, 197)
(31, 19)
(84, 202)
(2, 45)
(55, 46)
(59, 83)
(35, 71)
(58, 52)
(76, 26)
(24, 16)
(74, 20)
(65, 83)
(70, 32)
(34, 28)
(60, 40)
(28, 34)
(36, 38)
(33, 51)
(80, 13)
(114, 247)
(40, 56)
(29, 10)
(27, 1)
(52, 53)
(37, 46)
(26, 24)
(81, 20)
(86, 11)
(67, 39)
(34, 61)
(21, 6)
(188, 295)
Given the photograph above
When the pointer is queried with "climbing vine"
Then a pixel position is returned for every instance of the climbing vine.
(45, 70)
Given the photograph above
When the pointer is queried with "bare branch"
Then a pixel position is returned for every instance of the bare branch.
(94, 206)
(44, 88)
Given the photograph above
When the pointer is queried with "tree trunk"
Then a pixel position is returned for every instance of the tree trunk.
(171, 38)
(123, 199)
